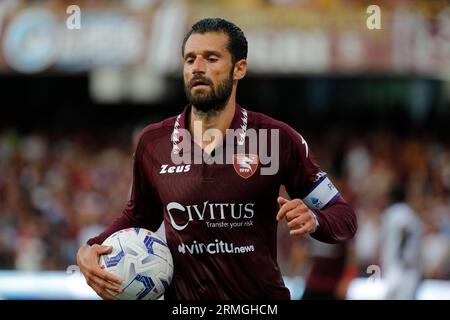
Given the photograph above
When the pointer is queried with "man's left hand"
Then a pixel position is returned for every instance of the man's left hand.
(300, 219)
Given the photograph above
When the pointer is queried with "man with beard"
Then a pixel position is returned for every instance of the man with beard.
(220, 219)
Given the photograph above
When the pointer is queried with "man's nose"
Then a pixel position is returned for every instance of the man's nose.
(199, 66)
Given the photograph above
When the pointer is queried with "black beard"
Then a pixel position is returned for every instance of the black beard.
(214, 100)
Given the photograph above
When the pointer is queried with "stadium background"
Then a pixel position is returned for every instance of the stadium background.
(374, 106)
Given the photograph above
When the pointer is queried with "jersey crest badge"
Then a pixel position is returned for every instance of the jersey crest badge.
(245, 165)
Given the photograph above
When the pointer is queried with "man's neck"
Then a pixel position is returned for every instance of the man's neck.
(200, 122)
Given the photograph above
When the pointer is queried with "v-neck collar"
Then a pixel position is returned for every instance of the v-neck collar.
(239, 122)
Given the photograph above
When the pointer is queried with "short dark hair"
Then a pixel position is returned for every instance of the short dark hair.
(237, 43)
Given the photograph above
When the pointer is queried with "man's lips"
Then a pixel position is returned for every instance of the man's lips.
(199, 83)
(200, 86)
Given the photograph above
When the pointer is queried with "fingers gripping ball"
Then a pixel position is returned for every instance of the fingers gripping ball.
(142, 259)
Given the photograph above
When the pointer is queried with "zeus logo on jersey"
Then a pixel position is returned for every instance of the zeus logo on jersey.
(174, 169)
(180, 216)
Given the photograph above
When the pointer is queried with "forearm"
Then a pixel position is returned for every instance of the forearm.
(337, 223)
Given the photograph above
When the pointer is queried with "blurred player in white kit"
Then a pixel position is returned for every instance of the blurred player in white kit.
(401, 268)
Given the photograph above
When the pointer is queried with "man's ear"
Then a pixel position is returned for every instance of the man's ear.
(240, 69)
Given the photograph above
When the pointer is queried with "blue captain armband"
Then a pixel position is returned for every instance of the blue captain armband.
(322, 193)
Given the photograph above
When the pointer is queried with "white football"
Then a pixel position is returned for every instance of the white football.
(142, 259)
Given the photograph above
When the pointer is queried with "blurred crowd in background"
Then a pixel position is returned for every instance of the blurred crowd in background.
(369, 170)
(57, 191)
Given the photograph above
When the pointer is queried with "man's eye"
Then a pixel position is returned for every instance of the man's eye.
(212, 59)
(189, 60)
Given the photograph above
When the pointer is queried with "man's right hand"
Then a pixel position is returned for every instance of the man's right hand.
(96, 278)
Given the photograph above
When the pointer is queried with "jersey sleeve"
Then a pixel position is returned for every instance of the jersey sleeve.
(304, 179)
(144, 208)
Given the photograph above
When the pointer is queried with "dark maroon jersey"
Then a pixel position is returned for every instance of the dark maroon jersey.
(220, 218)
